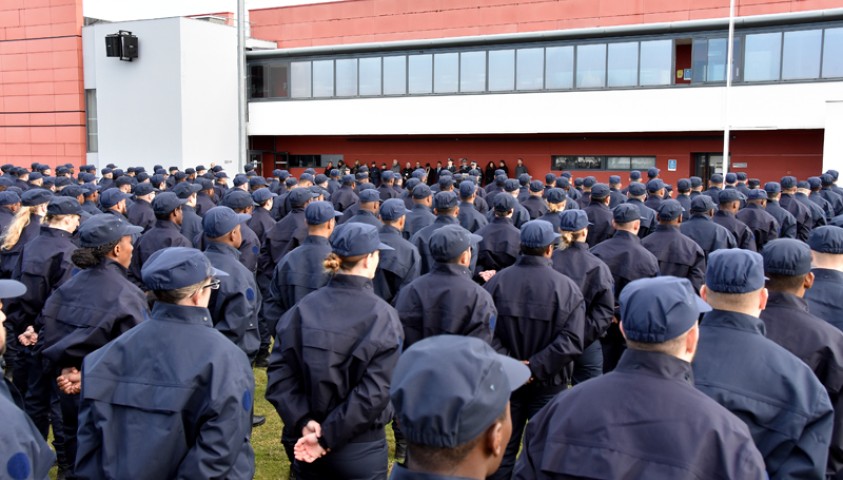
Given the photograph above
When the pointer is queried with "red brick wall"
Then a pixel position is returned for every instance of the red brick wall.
(361, 21)
(42, 114)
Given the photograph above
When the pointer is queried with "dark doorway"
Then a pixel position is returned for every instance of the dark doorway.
(706, 164)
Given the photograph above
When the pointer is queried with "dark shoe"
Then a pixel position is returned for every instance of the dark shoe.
(62, 473)
(262, 360)
(258, 420)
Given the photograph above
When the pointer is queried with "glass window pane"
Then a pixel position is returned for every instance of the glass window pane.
(656, 61)
(833, 53)
(801, 54)
(257, 82)
(370, 76)
(445, 72)
(642, 163)
(421, 74)
(473, 71)
(591, 65)
(762, 57)
(323, 78)
(530, 69)
(572, 162)
(559, 67)
(395, 75)
(623, 64)
(278, 78)
(300, 79)
(501, 70)
(716, 63)
(347, 77)
(617, 163)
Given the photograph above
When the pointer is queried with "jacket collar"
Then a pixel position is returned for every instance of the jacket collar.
(657, 364)
(734, 320)
(449, 269)
(533, 260)
(222, 248)
(787, 300)
(341, 280)
(168, 312)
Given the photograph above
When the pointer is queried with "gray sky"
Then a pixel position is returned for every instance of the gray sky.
(116, 10)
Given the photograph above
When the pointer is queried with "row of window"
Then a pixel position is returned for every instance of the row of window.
(783, 55)
(601, 162)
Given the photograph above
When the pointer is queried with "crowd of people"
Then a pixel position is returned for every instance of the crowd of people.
(502, 327)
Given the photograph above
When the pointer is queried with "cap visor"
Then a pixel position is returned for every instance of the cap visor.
(131, 230)
(337, 214)
(243, 217)
(516, 372)
(11, 288)
(218, 273)
(701, 305)
(383, 246)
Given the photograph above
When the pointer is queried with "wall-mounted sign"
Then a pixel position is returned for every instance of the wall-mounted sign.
(671, 165)
(739, 165)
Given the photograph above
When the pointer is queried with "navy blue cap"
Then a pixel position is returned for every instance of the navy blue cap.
(834, 174)
(142, 189)
(655, 310)
(549, 178)
(180, 175)
(64, 206)
(536, 186)
(446, 181)
(683, 185)
(563, 182)
(283, 174)
(365, 186)
(756, 194)
(261, 195)
(219, 174)
(772, 187)
(589, 181)
(317, 213)
(786, 256)
(653, 172)
(556, 195)
(728, 195)
(200, 168)
(827, 239)
(614, 179)
(177, 267)
(104, 228)
(188, 171)
(320, 178)
(259, 181)
(106, 171)
(696, 182)
(670, 210)
(361, 175)
(386, 175)
(445, 200)
(573, 220)
(204, 183)
(503, 202)
(702, 203)
(731, 178)
(599, 191)
(334, 172)
(64, 181)
(299, 197)
(219, 221)
(716, 178)
(787, 182)
(637, 189)
(827, 180)
(537, 234)
(421, 191)
(734, 270)
(741, 176)
(448, 242)
(240, 179)
(12, 289)
(511, 185)
(467, 188)
(393, 209)
(524, 179)
(166, 202)
(635, 175)
(354, 238)
(500, 179)
(185, 189)
(815, 183)
(35, 196)
(655, 185)
(35, 176)
(9, 197)
(625, 213)
(369, 196)
(448, 407)
(237, 199)
(72, 191)
(121, 180)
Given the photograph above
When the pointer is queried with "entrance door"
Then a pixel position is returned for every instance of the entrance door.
(706, 164)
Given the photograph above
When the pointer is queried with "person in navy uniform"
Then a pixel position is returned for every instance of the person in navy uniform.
(628, 261)
(534, 203)
(832, 197)
(801, 212)
(457, 420)
(24, 453)
(715, 186)
(683, 186)
(205, 199)
(385, 189)
(599, 215)
(113, 202)
(787, 265)
(500, 242)
(446, 208)
(446, 300)
(165, 233)
(420, 215)
(191, 223)
(786, 408)
(10, 203)
(288, 233)
(730, 201)
(141, 212)
(667, 429)
(678, 255)
(637, 193)
(803, 190)
(173, 397)
(786, 221)
(330, 370)
(616, 196)
(401, 265)
(367, 209)
(594, 279)
(262, 222)
(824, 298)
(655, 193)
(25, 226)
(761, 222)
(545, 333)
(557, 202)
(469, 217)
(701, 229)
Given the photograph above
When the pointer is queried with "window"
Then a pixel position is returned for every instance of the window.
(421, 74)
(801, 54)
(591, 65)
(709, 59)
(501, 70)
(630, 163)
(572, 162)
(91, 120)
(530, 69)
(257, 85)
(445, 72)
(395, 75)
(323, 78)
(300, 79)
(346, 77)
(559, 68)
(370, 76)
(600, 162)
(278, 80)
(656, 62)
(763, 57)
(623, 64)
(833, 53)
(473, 71)
(312, 161)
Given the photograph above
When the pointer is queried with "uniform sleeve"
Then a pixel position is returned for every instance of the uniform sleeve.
(285, 388)
(601, 307)
(23, 450)
(483, 318)
(807, 458)
(697, 273)
(788, 229)
(231, 313)
(570, 323)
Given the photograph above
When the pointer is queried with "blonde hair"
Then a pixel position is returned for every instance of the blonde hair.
(334, 263)
(21, 221)
(569, 238)
(555, 207)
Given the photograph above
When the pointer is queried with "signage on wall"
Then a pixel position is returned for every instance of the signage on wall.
(739, 165)
(671, 165)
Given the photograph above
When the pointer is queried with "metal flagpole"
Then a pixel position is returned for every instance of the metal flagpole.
(242, 158)
(729, 69)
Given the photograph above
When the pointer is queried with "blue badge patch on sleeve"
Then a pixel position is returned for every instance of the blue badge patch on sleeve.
(18, 467)
(255, 249)
(492, 321)
(247, 400)
(250, 295)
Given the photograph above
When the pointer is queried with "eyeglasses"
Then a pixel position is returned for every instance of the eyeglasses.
(214, 285)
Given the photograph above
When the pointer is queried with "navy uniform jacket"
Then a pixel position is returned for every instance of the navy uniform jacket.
(520, 215)
(386, 192)
(45, 265)
(141, 214)
(626, 259)
(170, 399)
(801, 213)
(23, 451)
(204, 203)
(649, 217)
(234, 306)
(418, 217)
(741, 233)
(600, 218)
(666, 430)
(554, 218)
(548, 330)
(714, 193)
(480, 203)
(596, 285)
(407, 196)
(824, 298)
(708, 235)
(365, 216)
(191, 223)
(334, 365)
(284, 237)
(822, 202)
(523, 194)
(396, 268)
(833, 199)
(220, 189)
(616, 197)
(653, 202)
(91, 207)
(250, 248)
(685, 201)
(584, 199)
(819, 345)
(400, 472)
(9, 258)
(261, 223)
(787, 222)
(817, 213)
(470, 218)
(445, 301)
(92, 308)
(280, 206)
(763, 225)
(163, 235)
(422, 238)
(535, 206)
(780, 399)
(678, 255)
(343, 198)
(500, 246)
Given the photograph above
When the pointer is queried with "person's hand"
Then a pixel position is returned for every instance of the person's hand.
(487, 275)
(527, 363)
(307, 449)
(312, 427)
(70, 381)
(28, 337)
